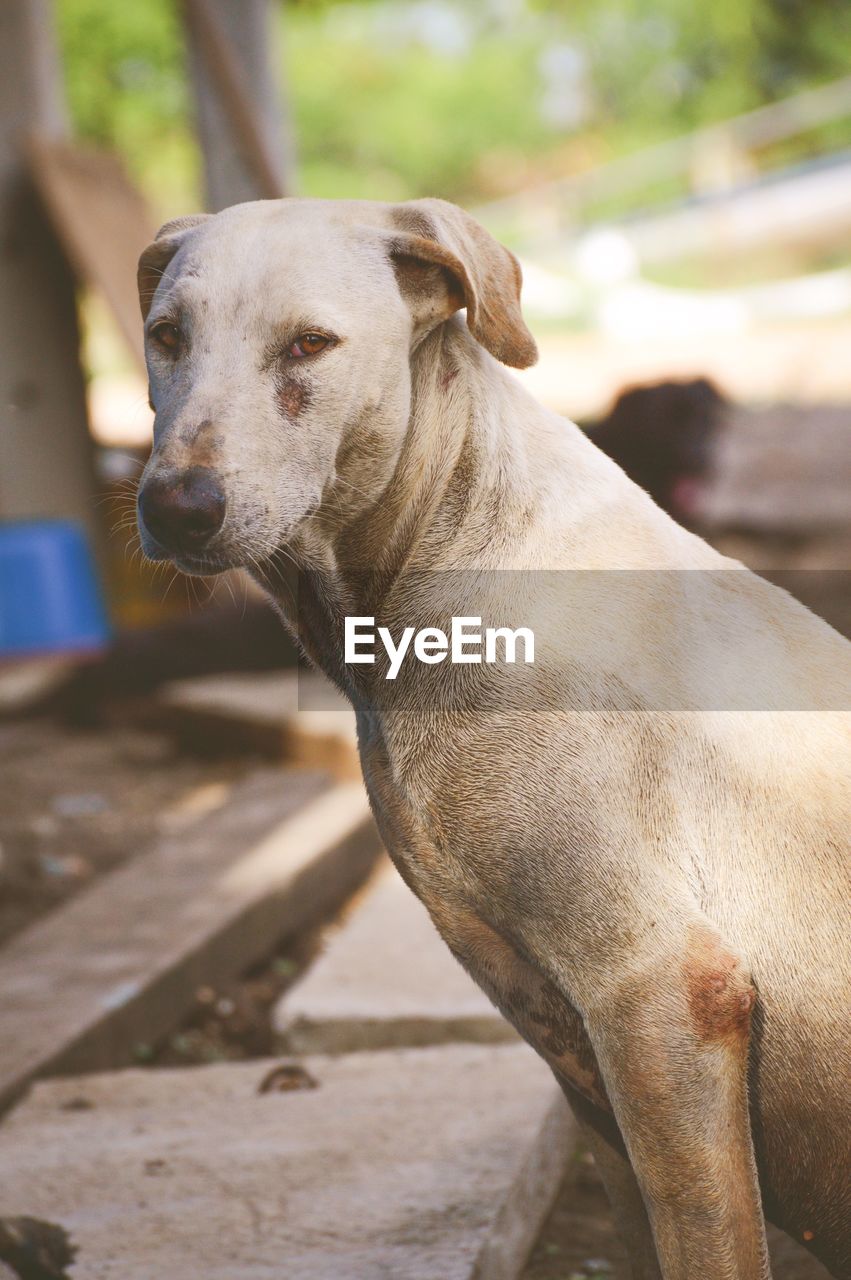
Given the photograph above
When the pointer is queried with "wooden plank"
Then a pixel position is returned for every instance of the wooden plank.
(209, 37)
(101, 220)
(121, 963)
(781, 469)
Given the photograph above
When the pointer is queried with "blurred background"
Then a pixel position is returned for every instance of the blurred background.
(676, 180)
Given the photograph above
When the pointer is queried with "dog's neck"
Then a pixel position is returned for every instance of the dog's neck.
(443, 497)
(458, 456)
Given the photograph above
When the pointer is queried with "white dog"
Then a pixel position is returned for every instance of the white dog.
(639, 852)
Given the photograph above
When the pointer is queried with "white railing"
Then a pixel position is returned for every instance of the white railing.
(712, 157)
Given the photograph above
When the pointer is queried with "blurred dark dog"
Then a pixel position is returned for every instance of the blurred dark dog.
(663, 436)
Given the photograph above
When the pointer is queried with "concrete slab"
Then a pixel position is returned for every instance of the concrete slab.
(386, 978)
(429, 1164)
(121, 962)
(295, 716)
(26, 682)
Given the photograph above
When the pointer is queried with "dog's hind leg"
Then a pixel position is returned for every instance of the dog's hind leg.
(600, 1134)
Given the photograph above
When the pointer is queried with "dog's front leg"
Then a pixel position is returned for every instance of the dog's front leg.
(600, 1134)
(672, 1045)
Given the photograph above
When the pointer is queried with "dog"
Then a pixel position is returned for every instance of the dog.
(664, 436)
(640, 853)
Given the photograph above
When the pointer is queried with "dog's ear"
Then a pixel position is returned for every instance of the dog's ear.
(445, 260)
(158, 255)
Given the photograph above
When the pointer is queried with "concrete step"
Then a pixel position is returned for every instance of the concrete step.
(297, 716)
(428, 1164)
(386, 978)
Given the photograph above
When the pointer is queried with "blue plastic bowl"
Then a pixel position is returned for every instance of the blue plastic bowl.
(50, 597)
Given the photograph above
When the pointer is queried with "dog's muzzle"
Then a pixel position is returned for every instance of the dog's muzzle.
(183, 512)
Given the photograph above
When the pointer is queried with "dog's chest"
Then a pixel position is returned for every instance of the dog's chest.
(517, 986)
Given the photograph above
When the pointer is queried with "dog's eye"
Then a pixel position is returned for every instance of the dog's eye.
(166, 335)
(308, 344)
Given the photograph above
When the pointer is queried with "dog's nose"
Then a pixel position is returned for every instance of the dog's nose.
(184, 512)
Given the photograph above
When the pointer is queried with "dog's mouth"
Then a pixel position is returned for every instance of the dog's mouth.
(201, 566)
(196, 564)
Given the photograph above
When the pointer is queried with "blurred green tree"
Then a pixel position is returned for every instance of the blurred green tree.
(397, 98)
(126, 86)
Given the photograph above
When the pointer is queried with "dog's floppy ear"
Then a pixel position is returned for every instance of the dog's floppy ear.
(444, 260)
(158, 255)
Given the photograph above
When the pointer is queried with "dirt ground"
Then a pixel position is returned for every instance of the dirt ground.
(233, 1022)
(76, 803)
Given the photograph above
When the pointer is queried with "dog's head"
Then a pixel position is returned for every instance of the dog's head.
(277, 334)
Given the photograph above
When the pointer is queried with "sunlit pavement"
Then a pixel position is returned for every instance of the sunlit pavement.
(580, 374)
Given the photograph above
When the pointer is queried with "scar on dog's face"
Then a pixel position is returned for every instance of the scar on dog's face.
(277, 335)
